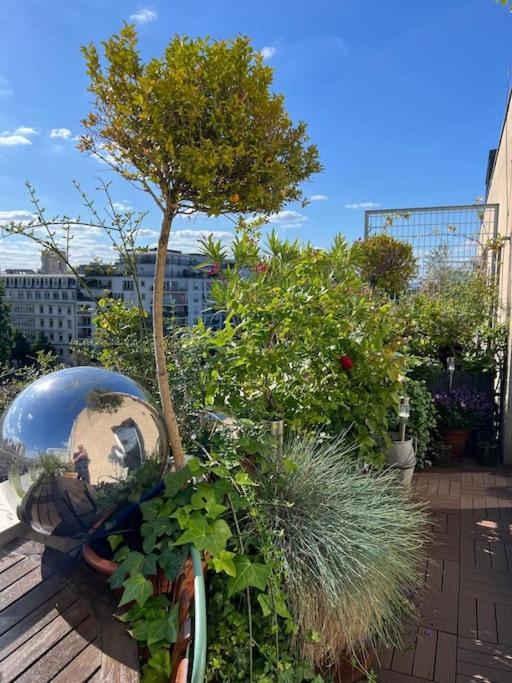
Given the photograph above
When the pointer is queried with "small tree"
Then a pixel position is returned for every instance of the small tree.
(385, 263)
(198, 130)
(42, 343)
(21, 349)
(6, 331)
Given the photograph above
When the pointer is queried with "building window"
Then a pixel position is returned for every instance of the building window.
(61, 338)
(59, 310)
(69, 324)
(128, 285)
(50, 310)
(60, 324)
(64, 295)
(69, 310)
(46, 295)
(38, 295)
(41, 322)
(69, 337)
(29, 295)
(51, 322)
(55, 295)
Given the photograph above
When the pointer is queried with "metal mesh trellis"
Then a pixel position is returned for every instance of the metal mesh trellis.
(455, 237)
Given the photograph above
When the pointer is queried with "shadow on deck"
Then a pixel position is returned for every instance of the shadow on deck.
(56, 621)
(464, 633)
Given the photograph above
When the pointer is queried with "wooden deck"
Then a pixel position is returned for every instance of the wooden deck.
(464, 634)
(56, 621)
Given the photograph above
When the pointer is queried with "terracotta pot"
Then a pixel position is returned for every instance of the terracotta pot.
(105, 567)
(457, 439)
(346, 672)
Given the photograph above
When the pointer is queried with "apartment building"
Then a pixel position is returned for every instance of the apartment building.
(62, 306)
(499, 191)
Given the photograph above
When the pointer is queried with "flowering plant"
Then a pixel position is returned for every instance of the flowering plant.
(463, 408)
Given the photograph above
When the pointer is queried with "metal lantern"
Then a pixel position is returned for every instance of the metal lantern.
(65, 434)
(450, 366)
(404, 412)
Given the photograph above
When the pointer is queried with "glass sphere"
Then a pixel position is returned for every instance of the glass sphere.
(67, 433)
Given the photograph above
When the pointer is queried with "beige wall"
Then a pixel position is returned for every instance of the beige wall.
(500, 192)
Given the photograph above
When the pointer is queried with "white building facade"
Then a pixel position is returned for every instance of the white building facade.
(62, 309)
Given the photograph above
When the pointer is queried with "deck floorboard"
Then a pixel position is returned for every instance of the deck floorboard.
(57, 621)
(464, 631)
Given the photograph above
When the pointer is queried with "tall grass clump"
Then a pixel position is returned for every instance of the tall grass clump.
(353, 546)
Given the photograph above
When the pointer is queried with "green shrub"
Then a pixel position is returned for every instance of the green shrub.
(385, 263)
(423, 419)
(304, 340)
(352, 544)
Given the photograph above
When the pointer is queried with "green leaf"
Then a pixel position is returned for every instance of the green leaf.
(149, 566)
(150, 509)
(132, 564)
(243, 479)
(157, 631)
(248, 574)
(265, 604)
(224, 563)
(173, 623)
(174, 481)
(115, 541)
(139, 631)
(171, 561)
(136, 588)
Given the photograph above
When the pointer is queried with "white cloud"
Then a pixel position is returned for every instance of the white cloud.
(122, 206)
(9, 140)
(287, 219)
(26, 130)
(5, 88)
(268, 52)
(20, 136)
(63, 133)
(15, 215)
(188, 240)
(143, 15)
(362, 205)
(318, 197)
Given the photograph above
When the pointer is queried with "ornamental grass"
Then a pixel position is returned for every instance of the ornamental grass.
(353, 546)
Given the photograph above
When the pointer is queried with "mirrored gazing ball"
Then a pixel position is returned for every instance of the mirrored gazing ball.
(67, 433)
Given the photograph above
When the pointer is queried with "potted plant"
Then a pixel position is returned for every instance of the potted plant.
(460, 411)
(402, 453)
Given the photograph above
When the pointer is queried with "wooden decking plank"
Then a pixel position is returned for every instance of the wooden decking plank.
(8, 560)
(403, 660)
(61, 654)
(490, 661)
(34, 622)
(453, 524)
(451, 577)
(424, 657)
(434, 576)
(15, 572)
(482, 674)
(22, 586)
(504, 623)
(28, 602)
(394, 677)
(486, 620)
(467, 617)
(81, 668)
(22, 658)
(446, 658)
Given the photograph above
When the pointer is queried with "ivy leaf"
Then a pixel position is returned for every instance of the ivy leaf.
(265, 604)
(224, 563)
(243, 479)
(174, 481)
(248, 574)
(171, 561)
(122, 553)
(132, 564)
(138, 589)
(150, 509)
(219, 533)
(172, 623)
(157, 631)
(149, 566)
(115, 541)
(139, 630)
(196, 532)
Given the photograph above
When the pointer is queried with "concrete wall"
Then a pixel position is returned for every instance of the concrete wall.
(500, 192)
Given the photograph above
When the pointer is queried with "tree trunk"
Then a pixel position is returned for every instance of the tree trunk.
(169, 415)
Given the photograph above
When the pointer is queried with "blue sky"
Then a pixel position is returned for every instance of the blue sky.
(403, 98)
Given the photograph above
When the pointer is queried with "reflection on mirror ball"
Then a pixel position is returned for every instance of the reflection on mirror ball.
(68, 432)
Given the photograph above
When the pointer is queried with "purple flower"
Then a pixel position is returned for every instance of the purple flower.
(463, 408)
